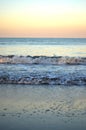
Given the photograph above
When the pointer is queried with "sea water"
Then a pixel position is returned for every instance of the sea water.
(43, 46)
(43, 61)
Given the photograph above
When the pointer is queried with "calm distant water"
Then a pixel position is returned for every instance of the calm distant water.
(43, 46)
(43, 41)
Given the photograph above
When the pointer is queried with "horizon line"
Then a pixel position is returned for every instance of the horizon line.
(45, 37)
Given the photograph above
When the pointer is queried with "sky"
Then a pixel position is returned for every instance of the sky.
(43, 18)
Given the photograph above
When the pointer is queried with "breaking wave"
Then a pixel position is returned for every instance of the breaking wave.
(43, 70)
(54, 60)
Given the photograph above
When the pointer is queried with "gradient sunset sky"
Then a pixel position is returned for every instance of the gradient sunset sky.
(43, 18)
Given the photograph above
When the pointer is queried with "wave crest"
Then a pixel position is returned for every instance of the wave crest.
(13, 59)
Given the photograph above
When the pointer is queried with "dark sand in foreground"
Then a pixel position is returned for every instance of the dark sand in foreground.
(43, 107)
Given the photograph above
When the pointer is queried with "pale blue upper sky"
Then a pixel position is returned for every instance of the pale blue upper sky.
(5, 5)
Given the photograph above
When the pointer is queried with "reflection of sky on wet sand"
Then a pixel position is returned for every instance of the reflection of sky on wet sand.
(47, 50)
(42, 107)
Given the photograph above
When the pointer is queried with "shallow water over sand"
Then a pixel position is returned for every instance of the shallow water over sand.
(45, 107)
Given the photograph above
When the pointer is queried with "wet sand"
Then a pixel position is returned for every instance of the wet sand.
(42, 107)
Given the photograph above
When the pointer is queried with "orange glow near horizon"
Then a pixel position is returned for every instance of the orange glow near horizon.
(39, 20)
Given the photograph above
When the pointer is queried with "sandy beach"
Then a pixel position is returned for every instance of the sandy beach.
(45, 107)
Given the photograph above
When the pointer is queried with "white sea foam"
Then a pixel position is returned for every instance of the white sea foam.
(49, 70)
(13, 59)
(60, 79)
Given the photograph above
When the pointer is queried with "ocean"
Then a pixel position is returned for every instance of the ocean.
(60, 61)
(42, 83)
(43, 46)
